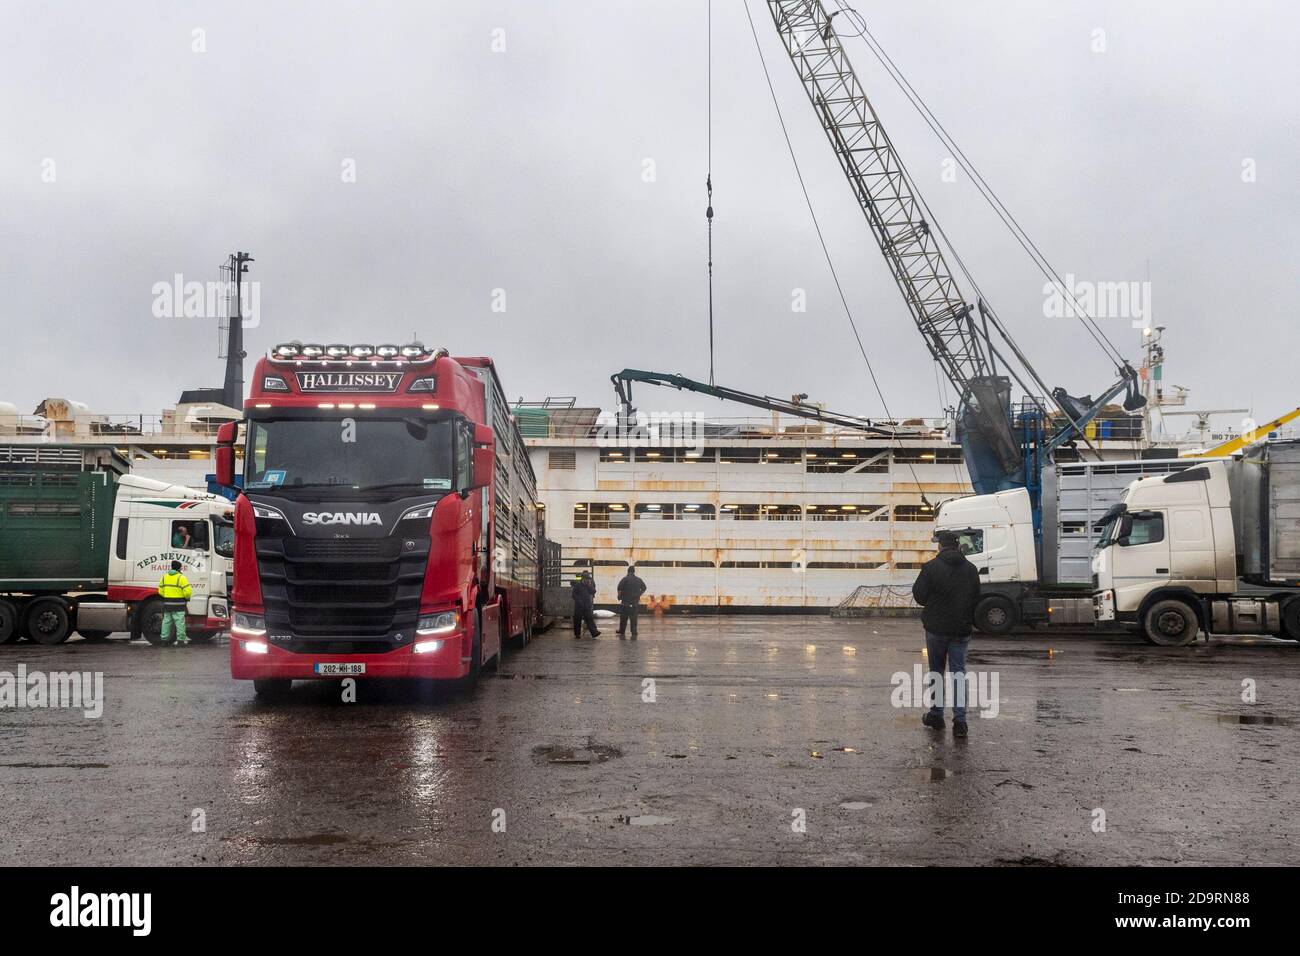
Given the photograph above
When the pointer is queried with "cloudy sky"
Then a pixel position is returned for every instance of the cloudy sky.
(144, 140)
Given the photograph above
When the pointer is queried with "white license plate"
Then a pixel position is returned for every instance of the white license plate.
(340, 670)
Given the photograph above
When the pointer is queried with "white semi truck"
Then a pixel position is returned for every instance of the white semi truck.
(83, 546)
(1214, 548)
(1034, 580)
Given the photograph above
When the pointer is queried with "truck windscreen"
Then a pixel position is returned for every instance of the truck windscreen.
(350, 455)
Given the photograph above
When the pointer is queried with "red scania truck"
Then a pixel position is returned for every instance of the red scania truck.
(388, 524)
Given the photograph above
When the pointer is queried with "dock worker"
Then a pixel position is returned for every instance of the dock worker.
(630, 589)
(175, 592)
(584, 595)
(947, 588)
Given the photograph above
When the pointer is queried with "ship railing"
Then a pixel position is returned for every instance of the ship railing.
(674, 427)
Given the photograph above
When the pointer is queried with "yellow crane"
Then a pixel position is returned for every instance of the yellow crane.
(1250, 437)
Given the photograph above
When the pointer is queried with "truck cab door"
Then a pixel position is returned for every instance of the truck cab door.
(1140, 557)
(994, 553)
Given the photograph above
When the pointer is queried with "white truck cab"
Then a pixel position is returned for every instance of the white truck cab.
(154, 524)
(996, 532)
(1208, 549)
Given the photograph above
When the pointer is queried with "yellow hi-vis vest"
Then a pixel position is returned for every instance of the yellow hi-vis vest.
(174, 587)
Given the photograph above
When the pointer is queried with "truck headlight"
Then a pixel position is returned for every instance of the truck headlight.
(252, 625)
(420, 511)
(443, 623)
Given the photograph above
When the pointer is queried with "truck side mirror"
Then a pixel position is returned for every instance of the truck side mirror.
(483, 462)
(483, 435)
(227, 432)
(1125, 529)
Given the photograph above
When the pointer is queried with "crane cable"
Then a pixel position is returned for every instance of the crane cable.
(848, 312)
(985, 190)
(708, 180)
(1090, 324)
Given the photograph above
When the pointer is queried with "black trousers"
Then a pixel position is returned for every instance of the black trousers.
(584, 615)
(626, 613)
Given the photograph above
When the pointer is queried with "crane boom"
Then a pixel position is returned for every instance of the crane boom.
(623, 386)
(876, 174)
(1248, 438)
(1002, 451)
(897, 218)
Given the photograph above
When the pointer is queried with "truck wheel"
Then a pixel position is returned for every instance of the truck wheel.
(147, 622)
(48, 620)
(9, 631)
(1290, 619)
(1170, 623)
(996, 614)
(271, 688)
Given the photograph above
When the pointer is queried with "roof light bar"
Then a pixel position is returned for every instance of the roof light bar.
(288, 349)
(414, 350)
(337, 351)
(312, 351)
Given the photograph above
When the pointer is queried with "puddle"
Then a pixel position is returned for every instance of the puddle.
(932, 774)
(578, 756)
(855, 804)
(316, 839)
(1025, 861)
(525, 677)
(1254, 719)
(57, 766)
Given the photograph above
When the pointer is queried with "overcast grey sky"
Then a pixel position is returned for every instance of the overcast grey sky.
(523, 170)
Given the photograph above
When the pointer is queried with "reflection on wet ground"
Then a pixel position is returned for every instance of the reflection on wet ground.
(729, 740)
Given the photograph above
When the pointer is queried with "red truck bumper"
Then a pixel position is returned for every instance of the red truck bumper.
(444, 663)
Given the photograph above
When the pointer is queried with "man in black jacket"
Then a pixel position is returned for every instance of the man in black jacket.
(584, 595)
(630, 589)
(947, 589)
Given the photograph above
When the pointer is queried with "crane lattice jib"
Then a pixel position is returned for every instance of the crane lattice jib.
(882, 188)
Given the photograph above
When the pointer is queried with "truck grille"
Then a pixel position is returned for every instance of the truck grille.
(356, 589)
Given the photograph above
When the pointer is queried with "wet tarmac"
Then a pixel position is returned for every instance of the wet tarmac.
(770, 740)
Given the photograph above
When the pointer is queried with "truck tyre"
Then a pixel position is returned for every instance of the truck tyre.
(9, 630)
(147, 622)
(271, 688)
(48, 620)
(996, 614)
(1291, 619)
(1170, 623)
